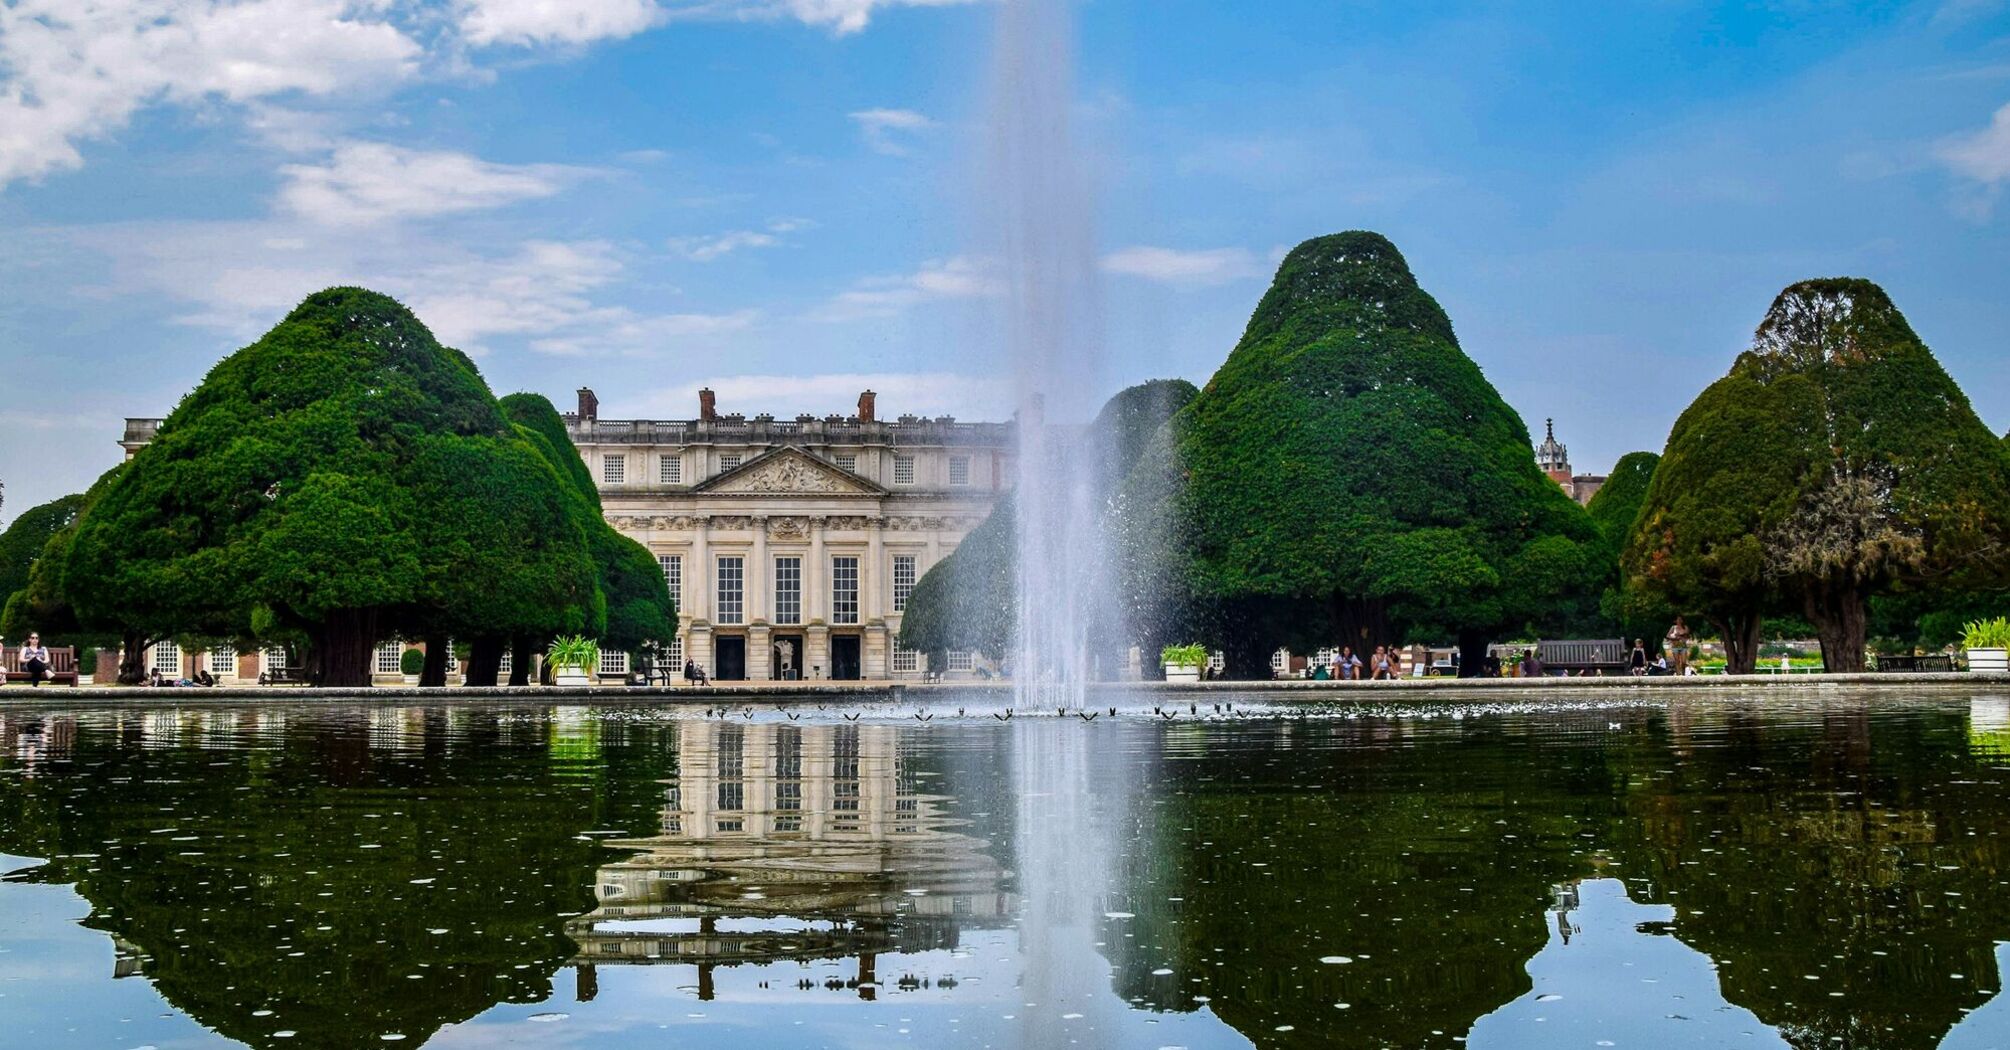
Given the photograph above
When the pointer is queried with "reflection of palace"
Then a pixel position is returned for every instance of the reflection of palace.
(790, 842)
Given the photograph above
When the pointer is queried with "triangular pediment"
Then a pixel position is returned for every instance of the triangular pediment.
(789, 471)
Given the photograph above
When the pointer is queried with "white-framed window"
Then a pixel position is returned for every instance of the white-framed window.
(847, 461)
(673, 651)
(167, 659)
(223, 660)
(673, 576)
(729, 461)
(1217, 661)
(670, 469)
(844, 589)
(903, 470)
(508, 665)
(903, 580)
(959, 470)
(613, 662)
(614, 468)
(957, 660)
(1280, 659)
(788, 590)
(274, 659)
(730, 603)
(906, 661)
(389, 655)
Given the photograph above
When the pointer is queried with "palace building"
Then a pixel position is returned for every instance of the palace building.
(1554, 460)
(791, 545)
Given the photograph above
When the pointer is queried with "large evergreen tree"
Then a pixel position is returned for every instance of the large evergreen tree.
(1836, 461)
(21, 545)
(1614, 509)
(345, 477)
(1348, 475)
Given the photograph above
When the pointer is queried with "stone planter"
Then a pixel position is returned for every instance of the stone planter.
(570, 677)
(1182, 673)
(1989, 661)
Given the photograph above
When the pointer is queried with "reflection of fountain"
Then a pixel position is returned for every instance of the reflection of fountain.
(790, 842)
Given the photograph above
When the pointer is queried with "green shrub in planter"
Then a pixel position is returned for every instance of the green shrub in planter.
(412, 664)
(1986, 634)
(1183, 655)
(577, 652)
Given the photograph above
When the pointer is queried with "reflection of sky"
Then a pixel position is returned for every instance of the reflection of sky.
(1984, 1029)
(638, 1004)
(1614, 984)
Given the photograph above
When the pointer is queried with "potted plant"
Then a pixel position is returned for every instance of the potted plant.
(570, 658)
(1988, 645)
(1183, 662)
(412, 664)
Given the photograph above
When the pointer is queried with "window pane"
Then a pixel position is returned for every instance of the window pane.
(729, 461)
(614, 469)
(959, 470)
(847, 461)
(275, 659)
(388, 656)
(672, 470)
(673, 576)
(732, 589)
(223, 660)
(613, 662)
(788, 590)
(844, 590)
(167, 659)
(903, 580)
(906, 661)
(958, 660)
(903, 470)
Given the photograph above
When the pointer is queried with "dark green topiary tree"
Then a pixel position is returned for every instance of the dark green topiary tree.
(1614, 509)
(345, 477)
(969, 599)
(21, 545)
(1350, 476)
(1836, 461)
(43, 602)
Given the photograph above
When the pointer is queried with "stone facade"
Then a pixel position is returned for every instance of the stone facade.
(1554, 460)
(792, 545)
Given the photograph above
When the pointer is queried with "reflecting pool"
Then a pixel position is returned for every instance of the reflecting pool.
(1804, 870)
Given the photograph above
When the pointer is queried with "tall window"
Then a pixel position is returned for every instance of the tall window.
(729, 461)
(788, 590)
(903, 470)
(508, 665)
(906, 661)
(388, 656)
(844, 590)
(731, 603)
(903, 580)
(847, 461)
(959, 470)
(223, 660)
(613, 662)
(673, 653)
(274, 659)
(614, 468)
(167, 659)
(670, 469)
(673, 575)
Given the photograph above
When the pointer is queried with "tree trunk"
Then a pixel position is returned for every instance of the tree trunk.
(339, 650)
(1472, 652)
(133, 658)
(433, 673)
(523, 649)
(1839, 614)
(484, 661)
(1741, 640)
(1362, 623)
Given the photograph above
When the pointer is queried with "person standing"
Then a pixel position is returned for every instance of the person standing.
(1636, 664)
(35, 659)
(1676, 645)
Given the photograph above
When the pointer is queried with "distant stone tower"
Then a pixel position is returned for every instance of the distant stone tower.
(1551, 458)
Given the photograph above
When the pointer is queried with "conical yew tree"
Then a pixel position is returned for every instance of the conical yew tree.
(1836, 461)
(344, 477)
(1349, 477)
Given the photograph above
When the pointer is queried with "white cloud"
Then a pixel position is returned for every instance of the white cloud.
(364, 182)
(961, 277)
(787, 396)
(887, 130)
(534, 22)
(1173, 266)
(839, 16)
(1983, 156)
(77, 70)
(707, 249)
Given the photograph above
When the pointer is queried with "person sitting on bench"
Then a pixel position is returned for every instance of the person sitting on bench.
(35, 659)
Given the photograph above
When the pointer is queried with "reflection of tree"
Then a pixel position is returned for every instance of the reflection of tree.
(1428, 862)
(363, 876)
(1867, 854)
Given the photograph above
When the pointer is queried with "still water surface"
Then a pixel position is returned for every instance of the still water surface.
(1813, 872)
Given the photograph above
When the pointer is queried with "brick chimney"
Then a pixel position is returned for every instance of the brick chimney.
(708, 405)
(589, 405)
(866, 403)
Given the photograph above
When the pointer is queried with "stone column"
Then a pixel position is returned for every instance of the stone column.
(760, 579)
(698, 578)
(699, 651)
(872, 574)
(817, 651)
(873, 651)
(815, 572)
(760, 652)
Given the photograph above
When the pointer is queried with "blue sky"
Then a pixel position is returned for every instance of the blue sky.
(773, 196)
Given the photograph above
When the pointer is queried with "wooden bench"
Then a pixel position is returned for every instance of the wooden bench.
(1575, 656)
(283, 676)
(1915, 664)
(62, 666)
